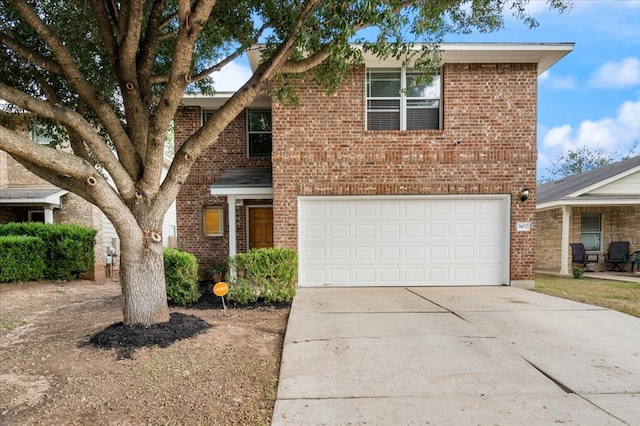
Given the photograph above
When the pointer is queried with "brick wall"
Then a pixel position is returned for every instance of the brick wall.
(321, 148)
(549, 240)
(74, 209)
(229, 151)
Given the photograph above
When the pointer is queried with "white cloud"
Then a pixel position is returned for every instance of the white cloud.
(614, 135)
(556, 82)
(625, 73)
(231, 77)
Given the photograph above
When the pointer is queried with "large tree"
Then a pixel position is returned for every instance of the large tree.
(109, 75)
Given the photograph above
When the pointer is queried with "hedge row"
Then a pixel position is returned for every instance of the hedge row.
(21, 258)
(68, 248)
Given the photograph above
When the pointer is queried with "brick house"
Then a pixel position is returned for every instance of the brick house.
(25, 197)
(594, 208)
(383, 182)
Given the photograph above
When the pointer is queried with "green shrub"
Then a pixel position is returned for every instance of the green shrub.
(21, 258)
(578, 273)
(181, 277)
(69, 248)
(269, 274)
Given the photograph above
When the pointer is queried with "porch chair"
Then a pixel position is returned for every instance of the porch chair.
(634, 259)
(618, 253)
(579, 255)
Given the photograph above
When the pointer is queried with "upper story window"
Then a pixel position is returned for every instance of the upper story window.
(259, 132)
(591, 231)
(206, 115)
(38, 133)
(397, 99)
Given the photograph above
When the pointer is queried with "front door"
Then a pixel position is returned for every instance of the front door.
(260, 227)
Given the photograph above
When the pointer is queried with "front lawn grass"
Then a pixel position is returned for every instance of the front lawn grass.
(616, 295)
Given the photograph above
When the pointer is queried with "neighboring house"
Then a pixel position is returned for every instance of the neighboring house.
(594, 208)
(24, 197)
(375, 185)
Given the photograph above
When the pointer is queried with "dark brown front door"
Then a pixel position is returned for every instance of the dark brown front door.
(260, 227)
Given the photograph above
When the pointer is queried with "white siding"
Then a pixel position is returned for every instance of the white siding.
(628, 185)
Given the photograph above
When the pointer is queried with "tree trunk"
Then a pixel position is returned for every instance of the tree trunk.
(142, 279)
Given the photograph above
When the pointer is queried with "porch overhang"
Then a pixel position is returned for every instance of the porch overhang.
(238, 185)
(586, 201)
(27, 197)
(567, 203)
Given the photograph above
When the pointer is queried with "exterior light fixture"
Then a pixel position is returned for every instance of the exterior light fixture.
(524, 195)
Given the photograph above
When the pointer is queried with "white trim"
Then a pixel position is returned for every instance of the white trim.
(543, 54)
(231, 201)
(505, 197)
(605, 182)
(243, 192)
(564, 250)
(588, 202)
(53, 199)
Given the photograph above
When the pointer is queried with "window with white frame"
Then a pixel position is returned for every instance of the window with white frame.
(38, 133)
(206, 115)
(591, 231)
(213, 221)
(259, 132)
(402, 99)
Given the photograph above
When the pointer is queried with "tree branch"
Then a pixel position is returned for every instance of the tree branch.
(296, 67)
(27, 54)
(71, 119)
(77, 81)
(192, 21)
(105, 24)
(149, 47)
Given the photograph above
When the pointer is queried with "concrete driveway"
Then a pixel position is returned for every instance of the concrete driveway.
(472, 355)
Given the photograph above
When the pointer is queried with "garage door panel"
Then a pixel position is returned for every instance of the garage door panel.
(403, 241)
(365, 231)
(339, 231)
(464, 253)
(340, 254)
(389, 231)
(388, 253)
(365, 253)
(339, 208)
(315, 254)
(439, 253)
(314, 231)
(390, 275)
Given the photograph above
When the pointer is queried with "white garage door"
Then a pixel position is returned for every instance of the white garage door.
(403, 241)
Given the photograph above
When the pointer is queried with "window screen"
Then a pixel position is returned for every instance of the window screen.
(591, 231)
(402, 100)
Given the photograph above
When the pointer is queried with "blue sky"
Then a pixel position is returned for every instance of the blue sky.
(590, 98)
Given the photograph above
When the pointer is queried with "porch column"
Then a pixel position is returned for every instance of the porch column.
(231, 200)
(48, 215)
(566, 222)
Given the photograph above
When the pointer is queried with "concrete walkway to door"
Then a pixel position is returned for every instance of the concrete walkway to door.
(460, 356)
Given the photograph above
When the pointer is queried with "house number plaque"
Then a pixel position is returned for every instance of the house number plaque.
(523, 226)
